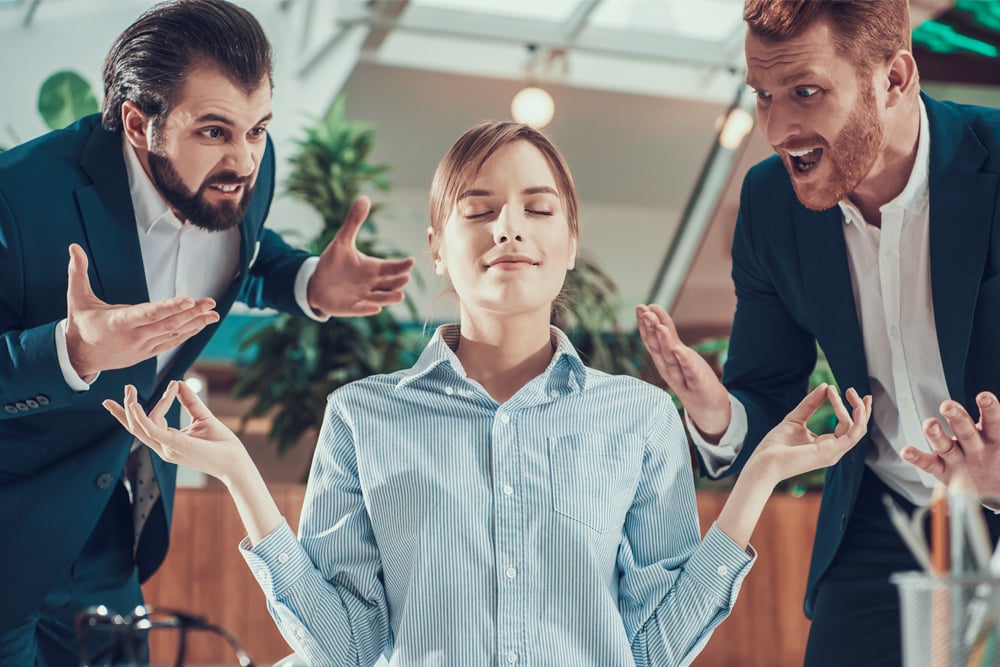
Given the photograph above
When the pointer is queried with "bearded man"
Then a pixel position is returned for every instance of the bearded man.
(160, 202)
(874, 232)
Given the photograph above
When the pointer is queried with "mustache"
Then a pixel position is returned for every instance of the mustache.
(228, 178)
(802, 144)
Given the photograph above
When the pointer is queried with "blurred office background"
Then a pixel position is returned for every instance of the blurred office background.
(653, 115)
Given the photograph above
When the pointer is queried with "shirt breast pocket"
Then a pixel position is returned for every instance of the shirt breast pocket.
(593, 477)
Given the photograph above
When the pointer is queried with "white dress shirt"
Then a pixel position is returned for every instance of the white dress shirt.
(891, 279)
(178, 258)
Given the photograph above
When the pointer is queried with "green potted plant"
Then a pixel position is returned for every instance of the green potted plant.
(298, 362)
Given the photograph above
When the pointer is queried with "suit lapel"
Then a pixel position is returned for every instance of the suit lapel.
(827, 281)
(961, 215)
(109, 223)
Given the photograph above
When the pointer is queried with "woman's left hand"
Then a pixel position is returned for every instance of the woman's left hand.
(792, 449)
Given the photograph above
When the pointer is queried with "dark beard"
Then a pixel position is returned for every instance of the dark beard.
(193, 206)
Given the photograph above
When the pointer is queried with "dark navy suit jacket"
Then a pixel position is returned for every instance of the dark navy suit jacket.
(61, 453)
(793, 289)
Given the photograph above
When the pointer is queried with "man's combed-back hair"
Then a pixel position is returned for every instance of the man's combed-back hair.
(867, 31)
(149, 61)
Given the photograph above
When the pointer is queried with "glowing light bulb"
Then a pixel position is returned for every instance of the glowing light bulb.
(533, 106)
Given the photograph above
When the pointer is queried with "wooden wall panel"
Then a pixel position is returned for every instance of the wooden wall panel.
(204, 574)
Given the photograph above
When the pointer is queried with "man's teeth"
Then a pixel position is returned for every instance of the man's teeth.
(227, 188)
(801, 153)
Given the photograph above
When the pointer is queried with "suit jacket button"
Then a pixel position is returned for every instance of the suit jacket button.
(22, 406)
(42, 399)
(104, 480)
(10, 408)
(31, 403)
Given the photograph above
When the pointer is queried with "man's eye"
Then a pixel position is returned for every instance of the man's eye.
(762, 95)
(807, 91)
(212, 132)
(258, 131)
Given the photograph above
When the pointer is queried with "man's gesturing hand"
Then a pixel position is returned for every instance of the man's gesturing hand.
(686, 372)
(101, 337)
(349, 283)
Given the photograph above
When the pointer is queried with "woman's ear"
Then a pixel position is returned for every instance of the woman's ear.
(439, 267)
(573, 248)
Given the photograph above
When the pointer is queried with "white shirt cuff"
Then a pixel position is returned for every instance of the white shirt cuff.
(306, 271)
(74, 381)
(718, 457)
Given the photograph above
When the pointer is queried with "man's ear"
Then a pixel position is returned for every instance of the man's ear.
(135, 125)
(901, 77)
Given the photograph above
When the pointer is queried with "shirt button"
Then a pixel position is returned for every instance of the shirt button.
(262, 574)
(554, 394)
(504, 418)
(282, 557)
(511, 657)
(300, 633)
(449, 391)
(510, 572)
(722, 570)
(508, 490)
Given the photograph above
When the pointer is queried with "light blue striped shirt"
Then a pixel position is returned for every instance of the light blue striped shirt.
(441, 528)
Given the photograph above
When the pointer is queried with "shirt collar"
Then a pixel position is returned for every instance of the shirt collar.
(915, 193)
(148, 204)
(564, 373)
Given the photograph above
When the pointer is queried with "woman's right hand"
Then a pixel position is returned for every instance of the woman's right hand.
(206, 444)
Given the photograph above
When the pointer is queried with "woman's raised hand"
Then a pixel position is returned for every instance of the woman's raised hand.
(792, 449)
(206, 444)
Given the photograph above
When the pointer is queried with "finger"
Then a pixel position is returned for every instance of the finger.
(944, 446)
(839, 409)
(159, 411)
(394, 268)
(116, 410)
(989, 415)
(348, 232)
(159, 316)
(384, 298)
(78, 288)
(801, 413)
(929, 463)
(391, 284)
(365, 309)
(130, 406)
(860, 416)
(191, 402)
(647, 323)
(663, 317)
(158, 342)
(961, 425)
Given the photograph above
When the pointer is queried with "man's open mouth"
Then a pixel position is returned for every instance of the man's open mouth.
(805, 161)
